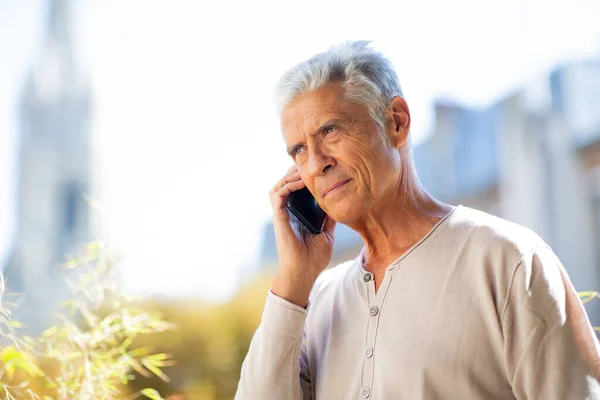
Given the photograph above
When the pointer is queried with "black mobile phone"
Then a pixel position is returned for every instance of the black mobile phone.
(304, 206)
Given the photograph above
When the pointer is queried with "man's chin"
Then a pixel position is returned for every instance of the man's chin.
(344, 209)
(342, 216)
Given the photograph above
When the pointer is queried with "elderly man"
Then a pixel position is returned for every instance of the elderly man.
(443, 302)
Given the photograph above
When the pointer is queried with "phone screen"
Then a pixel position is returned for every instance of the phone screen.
(304, 206)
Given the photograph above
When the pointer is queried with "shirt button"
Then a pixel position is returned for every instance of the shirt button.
(365, 393)
(369, 352)
(373, 311)
(367, 277)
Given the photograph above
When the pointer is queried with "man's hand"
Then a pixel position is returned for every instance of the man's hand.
(302, 255)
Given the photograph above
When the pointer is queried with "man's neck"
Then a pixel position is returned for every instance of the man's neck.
(387, 235)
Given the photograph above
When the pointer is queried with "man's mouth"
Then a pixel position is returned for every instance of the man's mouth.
(335, 187)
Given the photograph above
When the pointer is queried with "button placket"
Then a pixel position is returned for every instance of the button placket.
(367, 367)
(374, 302)
(368, 351)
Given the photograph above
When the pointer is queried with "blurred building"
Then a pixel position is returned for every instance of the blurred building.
(532, 157)
(54, 172)
(522, 159)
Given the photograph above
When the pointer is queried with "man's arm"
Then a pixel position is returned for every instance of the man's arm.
(275, 367)
(271, 369)
(551, 349)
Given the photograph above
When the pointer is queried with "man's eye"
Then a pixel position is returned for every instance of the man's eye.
(329, 129)
(296, 151)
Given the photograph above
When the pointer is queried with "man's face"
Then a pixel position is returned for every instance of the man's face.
(334, 142)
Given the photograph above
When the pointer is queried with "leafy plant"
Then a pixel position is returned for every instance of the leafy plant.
(586, 297)
(90, 353)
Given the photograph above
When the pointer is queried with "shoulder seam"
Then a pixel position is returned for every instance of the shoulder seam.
(512, 279)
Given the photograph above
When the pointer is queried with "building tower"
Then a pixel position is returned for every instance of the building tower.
(54, 172)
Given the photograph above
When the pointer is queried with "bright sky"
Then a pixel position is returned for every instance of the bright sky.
(187, 140)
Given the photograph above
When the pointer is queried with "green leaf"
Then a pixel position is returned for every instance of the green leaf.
(50, 331)
(126, 343)
(151, 394)
(14, 360)
(152, 367)
(142, 351)
(158, 357)
(15, 324)
(588, 296)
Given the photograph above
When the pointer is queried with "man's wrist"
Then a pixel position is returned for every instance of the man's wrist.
(294, 292)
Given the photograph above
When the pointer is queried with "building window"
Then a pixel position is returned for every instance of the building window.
(70, 208)
(68, 225)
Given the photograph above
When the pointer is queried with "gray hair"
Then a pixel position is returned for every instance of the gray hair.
(367, 76)
(369, 79)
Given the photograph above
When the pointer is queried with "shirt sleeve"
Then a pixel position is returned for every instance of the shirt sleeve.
(551, 350)
(275, 366)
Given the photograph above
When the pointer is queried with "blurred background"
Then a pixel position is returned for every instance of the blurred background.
(150, 125)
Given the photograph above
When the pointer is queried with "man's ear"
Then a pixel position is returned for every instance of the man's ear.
(400, 124)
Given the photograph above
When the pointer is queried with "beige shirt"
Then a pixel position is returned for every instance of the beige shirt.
(476, 309)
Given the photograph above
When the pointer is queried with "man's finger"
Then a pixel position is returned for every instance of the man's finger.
(291, 177)
(280, 196)
(290, 187)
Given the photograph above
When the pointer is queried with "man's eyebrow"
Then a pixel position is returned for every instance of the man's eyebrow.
(330, 122)
(326, 124)
(291, 149)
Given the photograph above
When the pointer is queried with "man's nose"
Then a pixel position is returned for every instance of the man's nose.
(318, 161)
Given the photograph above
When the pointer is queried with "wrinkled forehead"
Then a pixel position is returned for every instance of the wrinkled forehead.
(307, 111)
